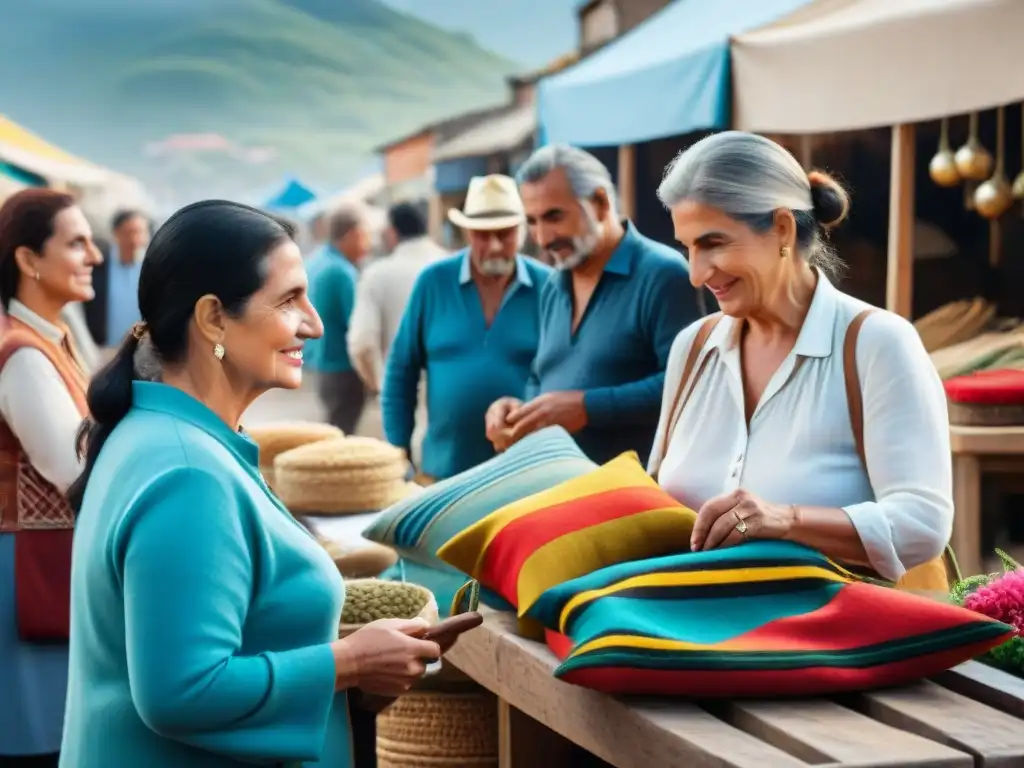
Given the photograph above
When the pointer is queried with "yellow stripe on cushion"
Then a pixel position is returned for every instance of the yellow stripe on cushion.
(697, 579)
(644, 534)
(468, 549)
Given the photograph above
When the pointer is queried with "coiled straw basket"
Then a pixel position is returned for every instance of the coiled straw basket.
(439, 729)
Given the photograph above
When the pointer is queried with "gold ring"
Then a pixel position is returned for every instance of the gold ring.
(741, 524)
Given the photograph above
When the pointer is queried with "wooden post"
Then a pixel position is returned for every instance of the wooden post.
(899, 282)
(627, 180)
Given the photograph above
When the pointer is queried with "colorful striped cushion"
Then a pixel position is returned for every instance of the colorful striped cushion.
(766, 618)
(612, 515)
(419, 525)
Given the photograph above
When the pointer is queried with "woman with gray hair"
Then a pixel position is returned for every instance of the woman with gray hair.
(798, 412)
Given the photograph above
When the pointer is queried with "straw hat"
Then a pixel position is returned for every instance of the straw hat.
(342, 476)
(492, 202)
(274, 439)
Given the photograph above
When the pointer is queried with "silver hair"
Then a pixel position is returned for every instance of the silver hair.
(344, 219)
(585, 172)
(749, 177)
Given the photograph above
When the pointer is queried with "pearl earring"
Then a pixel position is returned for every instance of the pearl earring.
(37, 277)
(218, 351)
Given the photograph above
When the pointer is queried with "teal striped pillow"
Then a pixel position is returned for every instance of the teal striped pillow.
(418, 526)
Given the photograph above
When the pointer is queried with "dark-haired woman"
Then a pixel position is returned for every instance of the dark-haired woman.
(761, 437)
(46, 262)
(204, 617)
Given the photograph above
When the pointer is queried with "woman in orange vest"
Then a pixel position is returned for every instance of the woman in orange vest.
(46, 260)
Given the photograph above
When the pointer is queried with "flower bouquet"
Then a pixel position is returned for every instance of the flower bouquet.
(999, 596)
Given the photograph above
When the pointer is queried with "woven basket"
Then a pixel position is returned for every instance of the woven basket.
(439, 730)
(276, 438)
(343, 476)
(367, 600)
(363, 560)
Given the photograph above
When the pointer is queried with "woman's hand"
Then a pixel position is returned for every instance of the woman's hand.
(499, 431)
(385, 657)
(732, 518)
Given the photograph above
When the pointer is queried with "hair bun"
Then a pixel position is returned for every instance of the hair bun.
(831, 202)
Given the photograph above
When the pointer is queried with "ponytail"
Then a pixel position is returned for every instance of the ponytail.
(109, 399)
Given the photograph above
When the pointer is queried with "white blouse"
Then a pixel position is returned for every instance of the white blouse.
(800, 446)
(36, 405)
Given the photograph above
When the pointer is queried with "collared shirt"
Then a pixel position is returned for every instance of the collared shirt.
(468, 365)
(617, 355)
(799, 447)
(36, 405)
(381, 297)
(332, 290)
(122, 296)
(191, 580)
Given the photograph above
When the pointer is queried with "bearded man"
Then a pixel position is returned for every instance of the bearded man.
(608, 317)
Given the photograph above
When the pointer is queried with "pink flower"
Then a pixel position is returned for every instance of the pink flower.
(1001, 599)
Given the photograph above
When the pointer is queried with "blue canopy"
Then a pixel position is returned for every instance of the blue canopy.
(668, 76)
(293, 195)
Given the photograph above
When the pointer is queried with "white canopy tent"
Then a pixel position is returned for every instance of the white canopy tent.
(840, 65)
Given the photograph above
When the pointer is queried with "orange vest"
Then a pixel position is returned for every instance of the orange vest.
(27, 499)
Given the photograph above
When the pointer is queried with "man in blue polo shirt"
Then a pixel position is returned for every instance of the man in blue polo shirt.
(608, 318)
(472, 325)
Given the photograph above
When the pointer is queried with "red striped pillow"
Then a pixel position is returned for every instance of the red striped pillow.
(614, 514)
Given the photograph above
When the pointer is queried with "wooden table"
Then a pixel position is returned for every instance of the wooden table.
(972, 717)
(977, 450)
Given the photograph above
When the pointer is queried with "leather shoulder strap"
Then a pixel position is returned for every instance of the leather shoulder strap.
(678, 403)
(854, 396)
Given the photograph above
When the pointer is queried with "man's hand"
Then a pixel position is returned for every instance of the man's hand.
(496, 422)
(566, 409)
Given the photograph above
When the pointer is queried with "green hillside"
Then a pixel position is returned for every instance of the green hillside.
(319, 81)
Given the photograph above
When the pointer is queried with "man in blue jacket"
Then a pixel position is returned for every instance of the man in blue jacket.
(608, 318)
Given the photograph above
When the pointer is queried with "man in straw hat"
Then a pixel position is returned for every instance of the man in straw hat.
(608, 319)
(472, 325)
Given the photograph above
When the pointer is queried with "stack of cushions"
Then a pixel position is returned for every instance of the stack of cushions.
(766, 618)
(612, 514)
(343, 476)
(987, 399)
(599, 566)
(275, 439)
(419, 525)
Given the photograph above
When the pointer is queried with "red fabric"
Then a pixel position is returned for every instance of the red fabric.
(42, 582)
(520, 539)
(811, 681)
(1005, 387)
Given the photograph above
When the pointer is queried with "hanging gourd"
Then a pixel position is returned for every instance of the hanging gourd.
(942, 167)
(994, 197)
(973, 161)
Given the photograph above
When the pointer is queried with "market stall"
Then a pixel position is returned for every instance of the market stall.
(967, 717)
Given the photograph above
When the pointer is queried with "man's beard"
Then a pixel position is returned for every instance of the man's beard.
(583, 246)
(497, 267)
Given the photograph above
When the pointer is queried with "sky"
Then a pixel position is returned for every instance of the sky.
(532, 32)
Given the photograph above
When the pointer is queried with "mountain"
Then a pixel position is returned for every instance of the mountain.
(531, 31)
(305, 87)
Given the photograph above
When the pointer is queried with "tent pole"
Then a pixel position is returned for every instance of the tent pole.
(899, 282)
(627, 180)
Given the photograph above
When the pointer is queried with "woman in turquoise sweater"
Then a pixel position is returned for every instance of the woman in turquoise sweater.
(204, 618)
